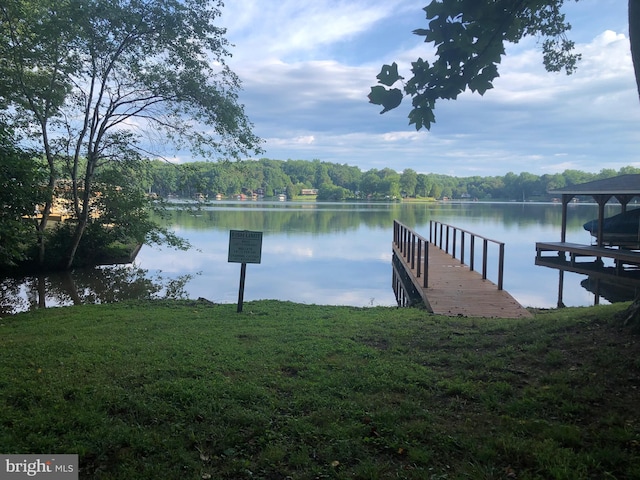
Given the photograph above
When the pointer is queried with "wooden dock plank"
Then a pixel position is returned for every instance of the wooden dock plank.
(453, 289)
(577, 249)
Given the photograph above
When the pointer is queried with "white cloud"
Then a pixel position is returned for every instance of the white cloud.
(307, 69)
(290, 28)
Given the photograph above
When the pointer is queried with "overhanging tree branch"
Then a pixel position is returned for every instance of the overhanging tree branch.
(469, 38)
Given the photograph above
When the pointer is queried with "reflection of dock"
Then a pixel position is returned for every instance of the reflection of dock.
(612, 290)
(444, 284)
(618, 281)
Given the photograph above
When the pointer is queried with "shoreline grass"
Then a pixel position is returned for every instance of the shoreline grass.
(187, 390)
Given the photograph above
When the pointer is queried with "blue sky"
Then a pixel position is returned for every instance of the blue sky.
(307, 68)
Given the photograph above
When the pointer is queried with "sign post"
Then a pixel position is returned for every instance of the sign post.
(244, 247)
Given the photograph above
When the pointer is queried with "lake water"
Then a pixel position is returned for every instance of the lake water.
(317, 253)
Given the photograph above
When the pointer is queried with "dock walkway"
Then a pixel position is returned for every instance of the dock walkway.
(456, 290)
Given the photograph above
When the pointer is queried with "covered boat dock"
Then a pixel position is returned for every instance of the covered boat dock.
(624, 189)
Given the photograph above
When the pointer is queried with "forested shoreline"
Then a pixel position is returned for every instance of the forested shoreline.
(338, 182)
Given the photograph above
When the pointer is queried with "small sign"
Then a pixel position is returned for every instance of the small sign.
(245, 246)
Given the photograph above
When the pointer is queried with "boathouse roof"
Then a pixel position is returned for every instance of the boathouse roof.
(621, 185)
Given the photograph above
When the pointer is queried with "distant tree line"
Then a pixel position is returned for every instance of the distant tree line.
(338, 182)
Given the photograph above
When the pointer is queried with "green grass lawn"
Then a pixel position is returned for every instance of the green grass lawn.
(186, 390)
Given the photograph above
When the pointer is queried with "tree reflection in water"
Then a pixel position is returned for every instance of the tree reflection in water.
(105, 284)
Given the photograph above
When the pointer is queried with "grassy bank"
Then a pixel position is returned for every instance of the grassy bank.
(419, 200)
(185, 390)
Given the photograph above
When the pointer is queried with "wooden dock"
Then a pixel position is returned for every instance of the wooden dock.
(620, 256)
(453, 288)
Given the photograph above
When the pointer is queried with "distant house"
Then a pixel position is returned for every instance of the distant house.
(309, 191)
(62, 203)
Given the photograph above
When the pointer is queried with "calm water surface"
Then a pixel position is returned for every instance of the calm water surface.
(317, 253)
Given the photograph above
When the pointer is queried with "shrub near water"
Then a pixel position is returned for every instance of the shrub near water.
(188, 390)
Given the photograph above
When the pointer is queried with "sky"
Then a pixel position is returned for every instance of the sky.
(307, 67)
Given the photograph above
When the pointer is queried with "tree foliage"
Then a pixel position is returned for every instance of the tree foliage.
(100, 84)
(21, 178)
(469, 38)
(344, 182)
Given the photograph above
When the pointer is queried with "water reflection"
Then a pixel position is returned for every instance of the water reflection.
(611, 289)
(323, 253)
(105, 284)
(604, 280)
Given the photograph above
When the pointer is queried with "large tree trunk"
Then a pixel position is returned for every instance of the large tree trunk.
(83, 220)
(42, 224)
(51, 193)
(632, 314)
(634, 37)
(83, 217)
(75, 241)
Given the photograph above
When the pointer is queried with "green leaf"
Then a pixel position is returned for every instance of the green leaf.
(389, 99)
(483, 81)
(480, 85)
(421, 117)
(434, 9)
(389, 74)
(377, 95)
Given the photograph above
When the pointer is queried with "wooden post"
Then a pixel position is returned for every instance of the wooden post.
(602, 201)
(447, 241)
(472, 252)
(501, 268)
(413, 250)
(561, 288)
(425, 281)
(453, 247)
(563, 232)
(405, 240)
(484, 259)
(243, 274)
